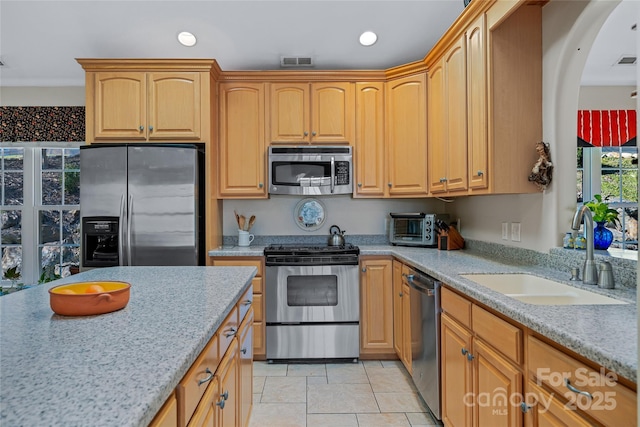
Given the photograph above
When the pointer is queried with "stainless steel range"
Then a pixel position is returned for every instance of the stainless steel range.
(312, 302)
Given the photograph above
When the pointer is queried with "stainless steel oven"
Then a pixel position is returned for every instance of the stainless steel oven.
(312, 300)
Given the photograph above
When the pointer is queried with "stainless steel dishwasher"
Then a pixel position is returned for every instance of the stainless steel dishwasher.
(425, 337)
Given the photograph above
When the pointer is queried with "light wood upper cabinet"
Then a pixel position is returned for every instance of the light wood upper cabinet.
(242, 158)
(316, 113)
(448, 121)
(406, 128)
(141, 106)
(477, 157)
(376, 324)
(370, 159)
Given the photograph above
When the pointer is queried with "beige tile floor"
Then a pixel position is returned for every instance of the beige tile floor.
(369, 393)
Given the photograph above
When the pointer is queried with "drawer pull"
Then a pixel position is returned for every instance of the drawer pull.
(205, 380)
(231, 332)
(247, 302)
(220, 403)
(575, 390)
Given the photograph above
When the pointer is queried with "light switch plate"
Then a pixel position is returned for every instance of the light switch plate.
(505, 231)
(515, 231)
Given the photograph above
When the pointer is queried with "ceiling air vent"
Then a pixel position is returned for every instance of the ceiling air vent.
(296, 61)
(627, 60)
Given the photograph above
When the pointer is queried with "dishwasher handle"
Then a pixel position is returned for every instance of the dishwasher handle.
(425, 284)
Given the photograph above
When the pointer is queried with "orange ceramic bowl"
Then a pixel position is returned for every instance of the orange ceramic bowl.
(89, 298)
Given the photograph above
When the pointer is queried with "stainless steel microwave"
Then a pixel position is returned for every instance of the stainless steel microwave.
(312, 170)
(415, 229)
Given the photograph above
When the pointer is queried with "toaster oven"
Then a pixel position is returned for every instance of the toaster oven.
(415, 229)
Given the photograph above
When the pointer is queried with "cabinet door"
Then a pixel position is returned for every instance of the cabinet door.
(496, 382)
(407, 342)
(174, 106)
(376, 318)
(545, 410)
(437, 129)
(241, 164)
(369, 143)
(228, 391)
(245, 360)
(289, 112)
(477, 105)
(456, 92)
(167, 416)
(406, 119)
(119, 105)
(455, 344)
(398, 338)
(332, 113)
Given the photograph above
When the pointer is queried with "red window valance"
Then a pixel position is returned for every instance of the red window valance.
(606, 128)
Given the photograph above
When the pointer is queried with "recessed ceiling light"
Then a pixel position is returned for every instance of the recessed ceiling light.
(368, 38)
(187, 39)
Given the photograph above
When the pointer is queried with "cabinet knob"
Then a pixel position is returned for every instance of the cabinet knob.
(364, 269)
(464, 351)
(225, 395)
(306, 133)
(389, 184)
(244, 350)
(151, 128)
(313, 133)
(524, 407)
(480, 173)
(141, 128)
(359, 184)
(220, 403)
(400, 294)
(260, 185)
(443, 179)
(469, 357)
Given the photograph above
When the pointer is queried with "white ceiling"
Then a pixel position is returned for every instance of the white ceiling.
(40, 39)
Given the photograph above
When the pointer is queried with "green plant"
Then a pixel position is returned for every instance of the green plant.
(48, 274)
(601, 211)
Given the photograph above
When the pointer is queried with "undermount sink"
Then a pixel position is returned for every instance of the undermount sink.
(532, 289)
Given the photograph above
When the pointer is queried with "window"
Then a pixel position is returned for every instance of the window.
(613, 173)
(40, 210)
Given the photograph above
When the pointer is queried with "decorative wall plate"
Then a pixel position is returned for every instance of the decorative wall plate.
(309, 214)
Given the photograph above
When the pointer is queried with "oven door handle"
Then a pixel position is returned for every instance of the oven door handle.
(333, 173)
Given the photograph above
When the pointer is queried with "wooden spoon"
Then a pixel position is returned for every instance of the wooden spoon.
(237, 217)
(242, 222)
(251, 221)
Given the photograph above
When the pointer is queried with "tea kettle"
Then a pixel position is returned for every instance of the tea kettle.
(336, 236)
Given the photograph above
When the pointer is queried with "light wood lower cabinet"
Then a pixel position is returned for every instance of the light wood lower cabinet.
(376, 306)
(479, 382)
(167, 416)
(496, 372)
(402, 340)
(245, 359)
(259, 348)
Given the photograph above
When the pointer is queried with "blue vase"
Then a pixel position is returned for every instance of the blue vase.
(602, 236)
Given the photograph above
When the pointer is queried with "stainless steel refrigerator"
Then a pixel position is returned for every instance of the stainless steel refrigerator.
(142, 204)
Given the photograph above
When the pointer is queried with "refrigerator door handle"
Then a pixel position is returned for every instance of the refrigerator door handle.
(120, 233)
(129, 214)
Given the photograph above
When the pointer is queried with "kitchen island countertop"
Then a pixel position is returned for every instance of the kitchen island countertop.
(605, 334)
(115, 369)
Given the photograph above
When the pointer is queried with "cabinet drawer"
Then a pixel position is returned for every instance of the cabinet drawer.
(231, 262)
(195, 382)
(257, 308)
(612, 403)
(502, 335)
(456, 306)
(245, 302)
(256, 283)
(228, 330)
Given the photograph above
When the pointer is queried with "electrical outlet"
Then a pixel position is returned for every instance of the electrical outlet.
(505, 231)
(515, 231)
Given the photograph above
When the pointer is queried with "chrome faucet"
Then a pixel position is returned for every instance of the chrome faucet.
(589, 271)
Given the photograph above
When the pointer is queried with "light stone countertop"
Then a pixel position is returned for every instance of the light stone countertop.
(114, 369)
(605, 334)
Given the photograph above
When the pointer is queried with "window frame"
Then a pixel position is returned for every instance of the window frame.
(32, 205)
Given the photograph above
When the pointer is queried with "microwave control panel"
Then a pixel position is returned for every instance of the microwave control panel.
(342, 173)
